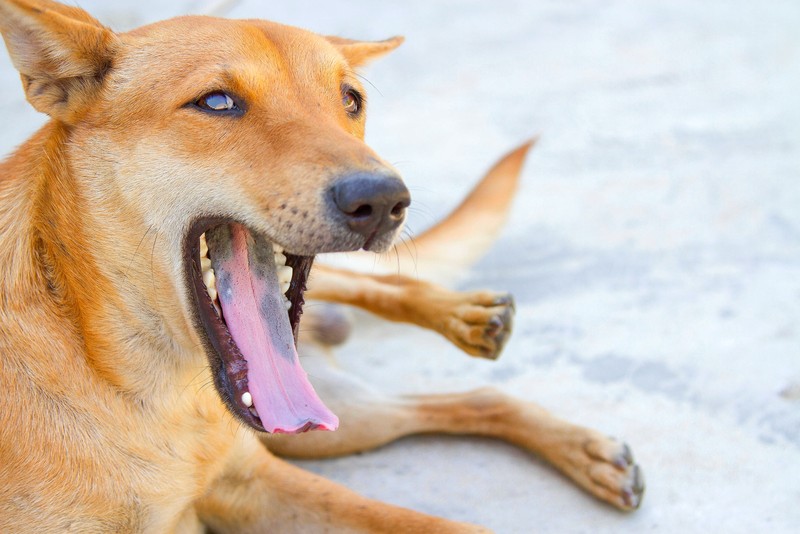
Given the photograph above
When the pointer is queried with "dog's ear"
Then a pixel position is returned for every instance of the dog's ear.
(359, 53)
(61, 53)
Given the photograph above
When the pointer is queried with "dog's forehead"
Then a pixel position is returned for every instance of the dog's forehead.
(182, 46)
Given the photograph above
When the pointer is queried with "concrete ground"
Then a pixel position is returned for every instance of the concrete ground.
(654, 249)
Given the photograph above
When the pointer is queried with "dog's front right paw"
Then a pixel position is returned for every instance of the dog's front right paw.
(481, 323)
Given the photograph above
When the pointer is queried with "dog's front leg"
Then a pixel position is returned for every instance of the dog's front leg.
(478, 322)
(261, 493)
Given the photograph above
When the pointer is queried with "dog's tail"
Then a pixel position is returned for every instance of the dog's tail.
(450, 247)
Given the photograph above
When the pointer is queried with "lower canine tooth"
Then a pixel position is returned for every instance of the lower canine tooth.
(247, 399)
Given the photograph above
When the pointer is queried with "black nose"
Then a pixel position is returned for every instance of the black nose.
(373, 204)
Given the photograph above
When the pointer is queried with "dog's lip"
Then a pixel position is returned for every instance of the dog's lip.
(228, 365)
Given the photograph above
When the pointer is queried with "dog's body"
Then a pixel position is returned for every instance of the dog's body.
(108, 419)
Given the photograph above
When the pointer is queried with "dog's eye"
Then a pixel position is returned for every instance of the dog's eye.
(352, 101)
(216, 101)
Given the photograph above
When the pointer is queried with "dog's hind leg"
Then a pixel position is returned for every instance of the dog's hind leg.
(369, 419)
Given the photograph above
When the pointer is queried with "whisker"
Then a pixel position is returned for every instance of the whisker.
(135, 252)
(422, 211)
(413, 253)
(153, 271)
(369, 82)
(199, 373)
(397, 258)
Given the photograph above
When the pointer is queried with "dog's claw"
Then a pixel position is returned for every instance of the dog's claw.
(495, 324)
(505, 300)
(605, 467)
(638, 482)
(501, 327)
(624, 458)
(480, 323)
(499, 321)
(634, 490)
(627, 455)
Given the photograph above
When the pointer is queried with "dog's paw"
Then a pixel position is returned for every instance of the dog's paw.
(605, 467)
(481, 324)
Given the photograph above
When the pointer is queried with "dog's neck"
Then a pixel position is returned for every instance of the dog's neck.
(79, 248)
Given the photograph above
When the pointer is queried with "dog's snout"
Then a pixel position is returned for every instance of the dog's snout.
(373, 204)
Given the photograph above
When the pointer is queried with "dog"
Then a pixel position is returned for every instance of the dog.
(156, 240)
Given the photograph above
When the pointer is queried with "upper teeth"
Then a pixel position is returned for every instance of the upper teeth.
(210, 281)
(284, 275)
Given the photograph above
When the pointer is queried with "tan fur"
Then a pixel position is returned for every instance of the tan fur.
(108, 421)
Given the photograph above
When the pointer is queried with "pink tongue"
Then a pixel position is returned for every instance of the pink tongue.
(256, 317)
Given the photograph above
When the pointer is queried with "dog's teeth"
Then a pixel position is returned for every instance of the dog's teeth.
(284, 274)
(203, 245)
(253, 411)
(280, 259)
(247, 399)
(209, 279)
(285, 277)
(216, 304)
(205, 263)
(287, 303)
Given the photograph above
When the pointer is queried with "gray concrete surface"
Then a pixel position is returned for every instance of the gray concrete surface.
(654, 249)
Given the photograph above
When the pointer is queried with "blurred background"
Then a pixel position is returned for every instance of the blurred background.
(654, 248)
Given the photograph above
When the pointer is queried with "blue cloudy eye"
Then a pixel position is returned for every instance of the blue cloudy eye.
(216, 101)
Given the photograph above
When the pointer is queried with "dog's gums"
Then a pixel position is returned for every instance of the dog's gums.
(247, 290)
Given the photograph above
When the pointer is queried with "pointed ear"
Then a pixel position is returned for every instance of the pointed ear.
(359, 53)
(61, 53)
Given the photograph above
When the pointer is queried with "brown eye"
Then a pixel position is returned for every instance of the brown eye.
(351, 100)
(216, 101)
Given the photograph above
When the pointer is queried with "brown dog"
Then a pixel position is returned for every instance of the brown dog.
(152, 237)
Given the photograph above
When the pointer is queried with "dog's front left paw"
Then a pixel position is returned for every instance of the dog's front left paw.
(482, 323)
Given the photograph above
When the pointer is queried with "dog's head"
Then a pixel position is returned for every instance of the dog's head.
(241, 144)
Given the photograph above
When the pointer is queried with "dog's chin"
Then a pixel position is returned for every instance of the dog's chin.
(247, 296)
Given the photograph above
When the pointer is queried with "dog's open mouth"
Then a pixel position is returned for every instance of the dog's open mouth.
(249, 297)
